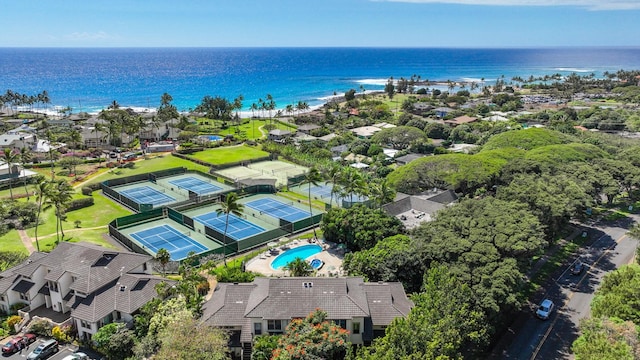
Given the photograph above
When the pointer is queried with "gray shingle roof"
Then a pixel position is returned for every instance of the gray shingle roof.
(386, 301)
(94, 266)
(9, 276)
(126, 294)
(233, 298)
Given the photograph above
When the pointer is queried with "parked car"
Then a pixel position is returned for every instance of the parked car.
(76, 356)
(545, 309)
(577, 267)
(17, 343)
(44, 350)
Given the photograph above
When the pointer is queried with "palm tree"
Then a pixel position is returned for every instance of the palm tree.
(382, 192)
(42, 191)
(352, 182)
(299, 267)
(59, 197)
(333, 175)
(25, 157)
(230, 205)
(163, 257)
(10, 158)
(312, 177)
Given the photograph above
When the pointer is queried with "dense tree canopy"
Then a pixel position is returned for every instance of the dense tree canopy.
(399, 137)
(606, 339)
(617, 295)
(525, 139)
(359, 227)
(486, 243)
(442, 325)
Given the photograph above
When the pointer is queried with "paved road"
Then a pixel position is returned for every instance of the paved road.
(572, 294)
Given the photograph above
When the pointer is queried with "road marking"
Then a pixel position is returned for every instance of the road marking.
(571, 293)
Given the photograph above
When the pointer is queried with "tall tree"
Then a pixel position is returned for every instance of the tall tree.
(59, 197)
(42, 192)
(313, 337)
(194, 340)
(163, 257)
(312, 178)
(230, 205)
(442, 324)
(10, 157)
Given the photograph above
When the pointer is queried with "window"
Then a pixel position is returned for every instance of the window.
(274, 325)
(24, 296)
(356, 328)
(1, 297)
(342, 323)
(257, 328)
(85, 324)
(53, 286)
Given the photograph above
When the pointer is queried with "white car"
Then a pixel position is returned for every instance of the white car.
(76, 356)
(545, 309)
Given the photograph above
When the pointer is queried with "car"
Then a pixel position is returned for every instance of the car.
(17, 343)
(113, 155)
(76, 356)
(44, 350)
(545, 309)
(577, 267)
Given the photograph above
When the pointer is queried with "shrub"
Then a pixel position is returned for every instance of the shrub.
(80, 203)
(88, 189)
(16, 307)
(40, 327)
(12, 321)
(61, 334)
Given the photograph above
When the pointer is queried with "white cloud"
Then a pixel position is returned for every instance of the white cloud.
(588, 4)
(88, 36)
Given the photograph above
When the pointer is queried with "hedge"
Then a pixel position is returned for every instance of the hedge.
(88, 189)
(80, 203)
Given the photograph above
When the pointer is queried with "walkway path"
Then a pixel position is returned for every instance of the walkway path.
(26, 240)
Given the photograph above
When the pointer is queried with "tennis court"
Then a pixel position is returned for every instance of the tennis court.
(196, 185)
(323, 192)
(147, 195)
(278, 209)
(238, 229)
(179, 245)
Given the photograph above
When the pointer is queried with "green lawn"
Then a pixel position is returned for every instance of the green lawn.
(95, 236)
(150, 165)
(229, 154)
(11, 242)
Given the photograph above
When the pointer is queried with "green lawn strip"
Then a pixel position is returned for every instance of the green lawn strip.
(249, 130)
(151, 165)
(230, 154)
(11, 242)
(100, 213)
(94, 236)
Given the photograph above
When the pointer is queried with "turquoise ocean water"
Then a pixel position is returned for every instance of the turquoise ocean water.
(90, 79)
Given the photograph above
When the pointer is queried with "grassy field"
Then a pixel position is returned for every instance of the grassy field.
(229, 154)
(11, 242)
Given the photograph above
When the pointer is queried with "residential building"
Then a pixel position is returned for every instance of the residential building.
(464, 119)
(92, 284)
(267, 305)
(308, 128)
(279, 135)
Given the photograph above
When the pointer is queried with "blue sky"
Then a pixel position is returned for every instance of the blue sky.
(322, 23)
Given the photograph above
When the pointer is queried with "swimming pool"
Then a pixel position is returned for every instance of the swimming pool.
(288, 256)
(214, 137)
(316, 264)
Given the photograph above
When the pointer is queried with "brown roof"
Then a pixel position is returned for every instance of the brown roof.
(464, 119)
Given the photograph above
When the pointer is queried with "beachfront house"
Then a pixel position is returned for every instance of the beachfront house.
(267, 305)
(84, 284)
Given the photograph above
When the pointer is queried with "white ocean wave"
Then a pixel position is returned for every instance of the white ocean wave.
(578, 70)
(380, 82)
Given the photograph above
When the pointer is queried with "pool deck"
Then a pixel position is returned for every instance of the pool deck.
(330, 255)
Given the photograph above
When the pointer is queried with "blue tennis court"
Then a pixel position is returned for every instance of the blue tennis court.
(147, 195)
(179, 245)
(278, 209)
(238, 229)
(324, 192)
(196, 185)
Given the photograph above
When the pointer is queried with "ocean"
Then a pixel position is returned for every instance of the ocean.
(89, 79)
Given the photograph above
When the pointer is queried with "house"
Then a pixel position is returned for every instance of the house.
(308, 128)
(442, 111)
(279, 135)
(91, 284)
(267, 305)
(17, 140)
(339, 150)
(365, 132)
(405, 159)
(413, 210)
(421, 108)
(464, 119)
(328, 137)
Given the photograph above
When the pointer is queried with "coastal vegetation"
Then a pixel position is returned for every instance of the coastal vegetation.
(530, 166)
